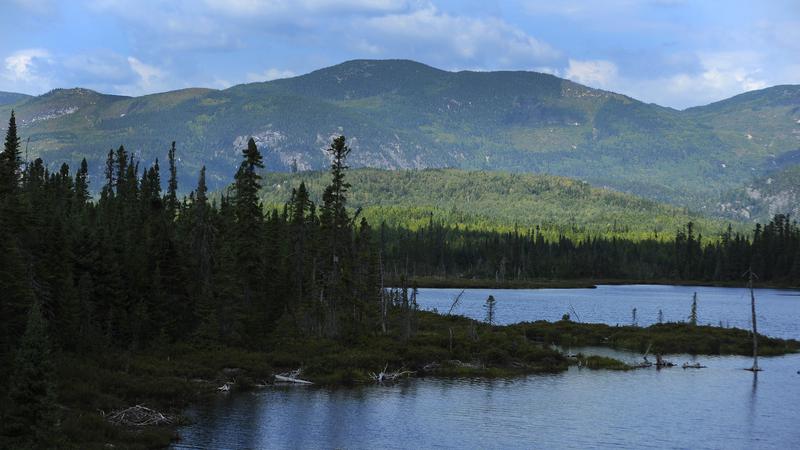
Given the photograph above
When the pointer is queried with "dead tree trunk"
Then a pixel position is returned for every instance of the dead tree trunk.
(755, 329)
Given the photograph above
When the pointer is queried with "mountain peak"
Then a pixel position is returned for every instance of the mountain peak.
(76, 92)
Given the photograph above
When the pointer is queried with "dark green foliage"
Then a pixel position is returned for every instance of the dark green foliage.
(513, 228)
(667, 338)
(498, 201)
(139, 274)
(693, 314)
(445, 251)
(137, 270)
(490, 306)
(249, 230)
(172, 188)
(10, 159)
(595, 362)
(29, 421)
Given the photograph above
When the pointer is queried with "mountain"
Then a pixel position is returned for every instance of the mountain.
(497, 201)
(10, 98)
(778, 192)
(402, 114)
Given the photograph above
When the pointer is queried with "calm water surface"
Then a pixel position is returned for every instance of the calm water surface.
(722, 406)
(778, 310)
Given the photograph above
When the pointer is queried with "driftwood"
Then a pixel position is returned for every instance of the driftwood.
(291, 377)
(457, 363)
(686, 365)
(388, 377)
(138, 416)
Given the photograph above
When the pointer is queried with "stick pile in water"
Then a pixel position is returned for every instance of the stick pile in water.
(138, 416)
(388, 377)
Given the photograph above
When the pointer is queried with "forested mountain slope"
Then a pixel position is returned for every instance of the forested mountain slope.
(10, 98)
(492, 200)
(403, 114)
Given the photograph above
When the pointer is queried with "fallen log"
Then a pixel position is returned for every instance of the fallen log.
(291, 377)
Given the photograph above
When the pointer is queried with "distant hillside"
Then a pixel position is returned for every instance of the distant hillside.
(402, 114)
(765, 123)
(495, 200)
(778, 192)
(10, 98)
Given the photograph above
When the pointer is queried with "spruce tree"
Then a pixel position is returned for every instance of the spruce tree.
(248, 232)
(336, 239)
(30, 420)
(82, 194)
(299, 223)
(172, 187)
(491, 310)
(10, 162)
(202, 234)
(16, 296)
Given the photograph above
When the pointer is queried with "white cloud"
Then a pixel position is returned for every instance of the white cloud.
(595, 73)
(269, 74)
(440, 37)
(150, 77)
(263, 8)
(98, 66)
(27, 70)
(662, 55)
(721, 75)
(21, 65)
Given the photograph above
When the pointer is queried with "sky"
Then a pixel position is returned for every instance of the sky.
(676, 53)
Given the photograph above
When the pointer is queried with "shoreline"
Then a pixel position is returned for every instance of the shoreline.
(543, 283)
(171, 379)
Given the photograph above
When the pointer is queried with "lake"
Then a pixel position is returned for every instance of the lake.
(778, 310)
(722, 406)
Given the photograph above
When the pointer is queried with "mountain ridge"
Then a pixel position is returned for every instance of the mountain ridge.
(401, 114)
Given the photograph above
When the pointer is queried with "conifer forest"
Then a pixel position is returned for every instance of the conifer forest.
(130, 266)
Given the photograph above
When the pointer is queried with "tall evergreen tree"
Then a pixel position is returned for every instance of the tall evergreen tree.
(172, 186)
(30, 421)
(336, 238)
(249, 232)
(82, 194)
(10, 161)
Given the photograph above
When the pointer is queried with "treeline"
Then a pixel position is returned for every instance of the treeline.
(139, 268)
(442, 250)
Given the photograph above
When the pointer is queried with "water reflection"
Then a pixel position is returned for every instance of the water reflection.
(751, 403)
(721, 406)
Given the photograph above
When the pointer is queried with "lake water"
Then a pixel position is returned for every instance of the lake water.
(778, 311)
(721, 406)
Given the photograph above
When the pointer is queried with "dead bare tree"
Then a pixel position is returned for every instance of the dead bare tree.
(455, 302)
(750, 278)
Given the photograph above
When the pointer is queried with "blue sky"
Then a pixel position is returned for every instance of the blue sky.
(676, 53)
